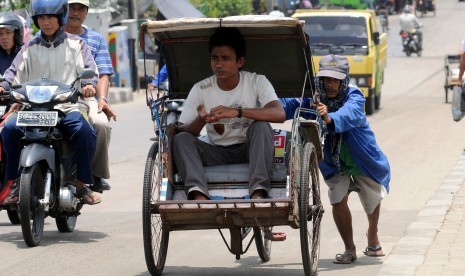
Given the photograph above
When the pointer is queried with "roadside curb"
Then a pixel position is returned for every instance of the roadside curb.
(411, 250)
(118, 95)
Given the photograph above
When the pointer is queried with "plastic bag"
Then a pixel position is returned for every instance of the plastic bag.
(458, 103)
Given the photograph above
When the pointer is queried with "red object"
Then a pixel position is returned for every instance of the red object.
(6, 190)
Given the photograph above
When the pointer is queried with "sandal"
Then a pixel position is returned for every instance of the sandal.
(13, 198)
(6, 191)
(86, 192)
(374, 251)
(345, 258)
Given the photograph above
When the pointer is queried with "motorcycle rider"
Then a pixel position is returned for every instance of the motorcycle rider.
(381, 7)
(59, 56)
(100, 112)
(409, 23)
(11, 40)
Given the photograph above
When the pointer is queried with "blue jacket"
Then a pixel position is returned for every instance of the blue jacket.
(350, 120)
(161, 77)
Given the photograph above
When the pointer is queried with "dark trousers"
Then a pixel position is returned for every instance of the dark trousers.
(191, 154)
(73, 125)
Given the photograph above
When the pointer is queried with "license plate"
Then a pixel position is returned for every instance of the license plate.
(37, 118)
(2, 109)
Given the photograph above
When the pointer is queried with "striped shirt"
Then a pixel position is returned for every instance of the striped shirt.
(98, 47)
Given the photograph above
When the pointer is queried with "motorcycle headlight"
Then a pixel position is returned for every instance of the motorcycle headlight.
(40, 94)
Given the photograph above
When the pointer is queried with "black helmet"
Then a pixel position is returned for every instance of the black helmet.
(11, 21)
(49, 7)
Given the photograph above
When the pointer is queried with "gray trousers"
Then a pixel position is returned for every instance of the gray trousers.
(191, 154)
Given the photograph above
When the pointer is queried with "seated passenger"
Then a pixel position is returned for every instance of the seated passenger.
(44, 57)
(236, 107)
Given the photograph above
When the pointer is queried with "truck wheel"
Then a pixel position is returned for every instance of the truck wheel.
(370, 104)
(377, 101)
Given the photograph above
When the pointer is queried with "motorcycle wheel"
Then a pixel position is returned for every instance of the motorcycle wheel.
(407, 52)
(66, 224)
(32, 214)
(419, 53)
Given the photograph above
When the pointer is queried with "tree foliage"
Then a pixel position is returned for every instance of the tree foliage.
(11, 5)
(223, 8)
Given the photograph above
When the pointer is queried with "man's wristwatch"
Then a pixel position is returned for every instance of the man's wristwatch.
(104, 98)
(239, 112)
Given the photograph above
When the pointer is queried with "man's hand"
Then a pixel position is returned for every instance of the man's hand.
(2, 89)
(221, 112)
(105, 107)
(323, 112)
(206, 117)
(88, 91)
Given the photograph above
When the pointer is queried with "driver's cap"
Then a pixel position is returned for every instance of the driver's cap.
(83, 2)
(334, 66)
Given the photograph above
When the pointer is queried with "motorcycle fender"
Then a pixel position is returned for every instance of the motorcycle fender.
(34, 153)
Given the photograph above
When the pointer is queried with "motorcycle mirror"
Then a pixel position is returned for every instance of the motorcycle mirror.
(376, 38)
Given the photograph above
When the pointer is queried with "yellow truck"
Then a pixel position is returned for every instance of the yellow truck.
(357, 35)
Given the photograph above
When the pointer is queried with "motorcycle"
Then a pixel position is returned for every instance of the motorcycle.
(11, 210)
(411, 43)
(47, 166)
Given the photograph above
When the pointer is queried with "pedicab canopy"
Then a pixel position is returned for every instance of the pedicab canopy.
(276, 48)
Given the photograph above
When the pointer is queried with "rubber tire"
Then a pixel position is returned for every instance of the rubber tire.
(13, 215)
(155, 237)
(66, 224)
(370, 104)
(377, 101)
(32, 189)
(310, 209)
(263, 245)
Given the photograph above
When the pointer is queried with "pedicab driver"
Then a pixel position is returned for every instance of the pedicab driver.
(236, 107)
(352, 162)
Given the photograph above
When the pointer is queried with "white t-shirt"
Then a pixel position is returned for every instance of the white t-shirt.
(253, 91)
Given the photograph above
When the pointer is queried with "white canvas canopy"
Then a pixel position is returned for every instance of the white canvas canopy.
(276, 48)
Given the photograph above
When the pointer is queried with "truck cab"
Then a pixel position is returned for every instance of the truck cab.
(357, 35)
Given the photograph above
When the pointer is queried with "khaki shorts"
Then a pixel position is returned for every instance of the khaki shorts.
(370, 192)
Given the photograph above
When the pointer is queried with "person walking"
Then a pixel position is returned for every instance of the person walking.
(353, 162)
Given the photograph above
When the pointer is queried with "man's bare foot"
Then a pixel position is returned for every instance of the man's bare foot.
(259, 194)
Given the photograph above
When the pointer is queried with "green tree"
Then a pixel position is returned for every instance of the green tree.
(11, 5)
(223, 8)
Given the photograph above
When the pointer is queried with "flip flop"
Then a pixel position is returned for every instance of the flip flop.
(85, 191)
(374, 251)
(344, 258)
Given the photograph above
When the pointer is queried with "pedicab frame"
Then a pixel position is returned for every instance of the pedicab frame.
(277, 48)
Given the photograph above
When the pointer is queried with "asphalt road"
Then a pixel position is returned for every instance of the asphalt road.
(414, 128)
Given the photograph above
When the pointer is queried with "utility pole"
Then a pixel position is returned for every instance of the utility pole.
(132, 14)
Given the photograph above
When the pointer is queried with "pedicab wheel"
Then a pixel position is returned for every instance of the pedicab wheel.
(310, 211)
(155, 237)
(13, 215)
(66, 224)
(263, 244)
(32, 214)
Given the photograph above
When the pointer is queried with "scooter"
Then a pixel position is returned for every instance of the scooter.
(11, 209)
(411, 43)
(47, 166)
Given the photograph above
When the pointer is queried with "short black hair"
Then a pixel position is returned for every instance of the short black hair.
(227, 36)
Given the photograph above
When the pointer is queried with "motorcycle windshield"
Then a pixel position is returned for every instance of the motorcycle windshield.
(337, 35)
